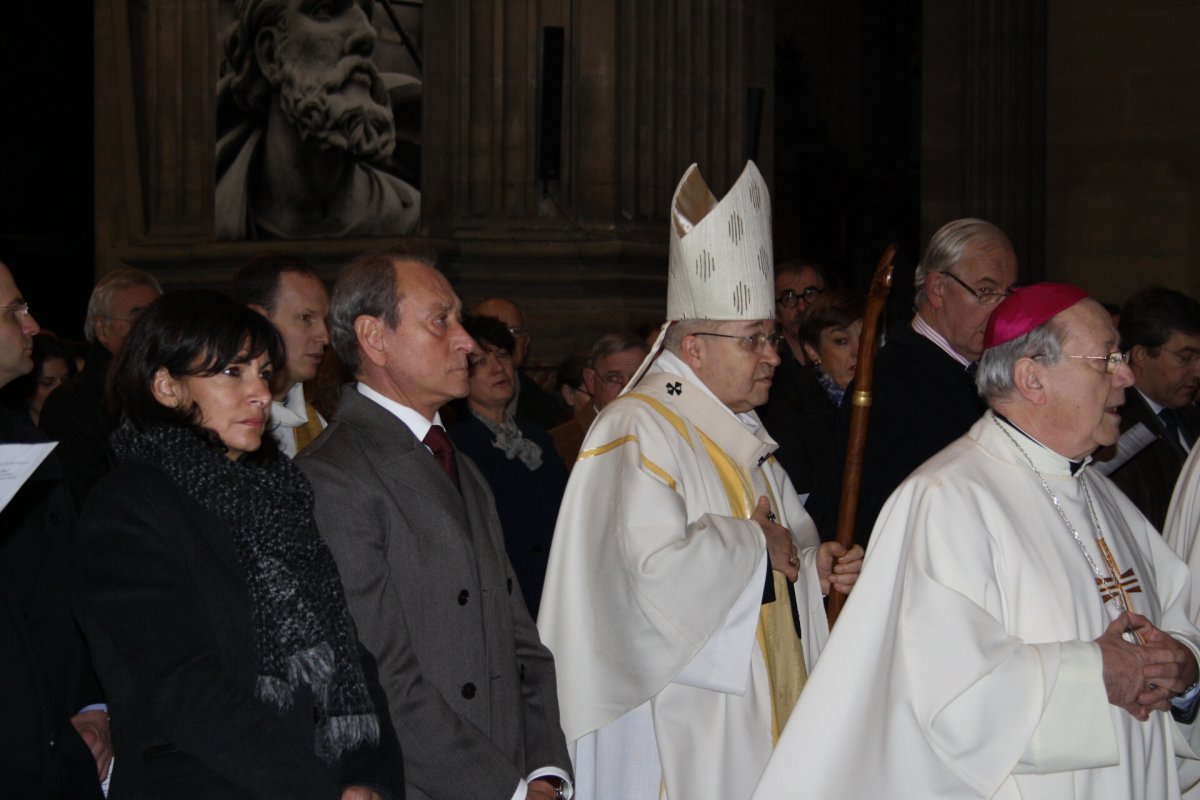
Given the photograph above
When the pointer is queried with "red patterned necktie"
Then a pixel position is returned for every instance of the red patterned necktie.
(439, 442)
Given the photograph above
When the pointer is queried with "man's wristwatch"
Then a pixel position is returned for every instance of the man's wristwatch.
(556, 782)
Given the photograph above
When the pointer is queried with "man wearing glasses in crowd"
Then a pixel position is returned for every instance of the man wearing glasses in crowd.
(56, 740)
(612, 362)
(1160, 333)
(615, 359)
(924, 389)
(797, 283)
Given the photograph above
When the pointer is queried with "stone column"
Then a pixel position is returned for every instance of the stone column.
(984, 120)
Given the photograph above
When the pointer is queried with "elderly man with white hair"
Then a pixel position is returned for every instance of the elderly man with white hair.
(1019, 629)
(78, 414)
(924, 394)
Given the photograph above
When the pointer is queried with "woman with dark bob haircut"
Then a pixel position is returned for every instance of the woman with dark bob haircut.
(517, 458)
(215, 614)
(805, 424)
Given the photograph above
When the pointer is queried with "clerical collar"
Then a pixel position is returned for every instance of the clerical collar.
(1048, 457)
(671, 383)
(669, 362)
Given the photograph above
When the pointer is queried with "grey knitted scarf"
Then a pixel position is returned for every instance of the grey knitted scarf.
(302, 628)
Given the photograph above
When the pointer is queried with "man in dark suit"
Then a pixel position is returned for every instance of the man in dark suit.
(413, 528)
(1160, 332)
(47, 688)
(924, 389)
(76, 414)
(798, 282)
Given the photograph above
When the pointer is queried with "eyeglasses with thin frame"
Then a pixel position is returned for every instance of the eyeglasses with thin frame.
(1188, 357)
(615, 379)
(985, 297)
(1112, 361)
(756, 342)
(790, 297)
(516, 330)
(16, 310)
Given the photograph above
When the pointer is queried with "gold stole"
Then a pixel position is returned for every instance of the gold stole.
(310, 430)
(776, 634)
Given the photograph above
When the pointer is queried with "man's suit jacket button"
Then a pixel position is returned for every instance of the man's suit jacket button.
(463, 597)
(468, 690)
(55, 518)
(510, 585)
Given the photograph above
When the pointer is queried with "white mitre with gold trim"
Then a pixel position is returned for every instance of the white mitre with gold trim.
(721, 263)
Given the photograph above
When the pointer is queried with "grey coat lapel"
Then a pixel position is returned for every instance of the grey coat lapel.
(399, 457)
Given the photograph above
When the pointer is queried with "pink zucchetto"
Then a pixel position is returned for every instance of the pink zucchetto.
(1028, 307)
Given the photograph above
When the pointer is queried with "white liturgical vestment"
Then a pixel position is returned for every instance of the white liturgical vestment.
(291, 416)
(1182, 528)
(673, 675)
(964, 666)
(1182, 532)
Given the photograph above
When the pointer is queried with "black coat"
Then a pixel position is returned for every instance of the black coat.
(526, 501)
(45, 673)
(788, 379)
(805, 426)
(1149, 477)
(77, 417)
(923, 401)
(166, 609)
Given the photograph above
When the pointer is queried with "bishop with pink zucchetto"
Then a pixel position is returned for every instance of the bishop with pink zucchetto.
(1019, 630)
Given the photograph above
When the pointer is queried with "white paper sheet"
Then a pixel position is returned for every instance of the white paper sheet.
(17, 463)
